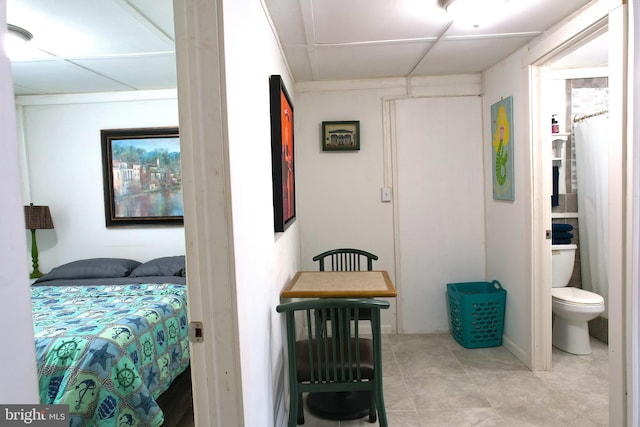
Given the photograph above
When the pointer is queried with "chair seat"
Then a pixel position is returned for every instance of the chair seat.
(304, 368)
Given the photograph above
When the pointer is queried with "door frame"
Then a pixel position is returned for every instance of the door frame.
(608, 15)
(215, 361)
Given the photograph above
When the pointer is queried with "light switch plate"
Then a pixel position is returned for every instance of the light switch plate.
(386, 194)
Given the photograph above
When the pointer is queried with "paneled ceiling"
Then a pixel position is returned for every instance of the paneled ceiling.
(94, 45)
(84, 46)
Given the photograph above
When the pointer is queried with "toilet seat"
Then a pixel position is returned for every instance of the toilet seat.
(576, 296)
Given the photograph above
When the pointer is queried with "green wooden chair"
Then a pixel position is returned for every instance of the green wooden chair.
(346, 259)
(338, 361)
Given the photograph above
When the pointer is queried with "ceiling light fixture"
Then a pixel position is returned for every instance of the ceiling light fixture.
(473, 12)
(15, 41)
(20, 33)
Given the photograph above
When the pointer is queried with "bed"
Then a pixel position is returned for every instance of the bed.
(111, 337)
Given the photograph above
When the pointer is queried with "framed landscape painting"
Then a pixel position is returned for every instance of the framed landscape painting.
(142, 176)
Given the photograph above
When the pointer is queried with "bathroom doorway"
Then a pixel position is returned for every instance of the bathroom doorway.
(554, 76)
(576, 88)
(578, 96)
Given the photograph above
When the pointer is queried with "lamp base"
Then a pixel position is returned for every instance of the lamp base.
(34, 257)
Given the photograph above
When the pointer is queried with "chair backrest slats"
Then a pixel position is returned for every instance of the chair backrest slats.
(337, 351)
(346, 259)
(315, 324)
(332, 356)
(333, 341)
(356, 345)
(345, 262)
(324, 349)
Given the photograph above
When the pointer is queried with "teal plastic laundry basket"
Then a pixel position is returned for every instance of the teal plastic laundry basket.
(476, 313)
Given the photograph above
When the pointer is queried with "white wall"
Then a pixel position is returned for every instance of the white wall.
(18, 380)
(508, 224)
(332, 183)
(339, 192)
(339, 199)
(63, 169)
(440, 197)
(264, 261)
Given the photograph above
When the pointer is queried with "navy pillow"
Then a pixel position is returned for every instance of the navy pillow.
(91, 269)
(165, 266)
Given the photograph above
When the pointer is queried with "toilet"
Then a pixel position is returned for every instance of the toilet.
(572, 307)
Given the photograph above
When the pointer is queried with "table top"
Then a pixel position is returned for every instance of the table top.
(339, 284)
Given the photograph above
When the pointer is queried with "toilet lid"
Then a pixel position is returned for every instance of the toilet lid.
(576, 295)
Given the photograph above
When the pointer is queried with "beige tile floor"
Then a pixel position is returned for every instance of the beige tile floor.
(431, 380)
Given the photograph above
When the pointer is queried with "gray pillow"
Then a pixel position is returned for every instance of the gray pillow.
(165, 266)
(91, 269)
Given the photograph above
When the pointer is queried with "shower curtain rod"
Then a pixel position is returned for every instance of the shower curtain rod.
(582, 117)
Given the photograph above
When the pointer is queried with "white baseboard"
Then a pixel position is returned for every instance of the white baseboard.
(516, 350)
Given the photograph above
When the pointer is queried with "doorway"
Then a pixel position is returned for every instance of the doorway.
(557, 46)
(576, 89)
(439, 193)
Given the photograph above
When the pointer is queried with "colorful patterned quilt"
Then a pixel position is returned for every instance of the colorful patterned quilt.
(110, 351)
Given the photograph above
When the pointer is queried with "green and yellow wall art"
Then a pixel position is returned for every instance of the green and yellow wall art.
(502, 149)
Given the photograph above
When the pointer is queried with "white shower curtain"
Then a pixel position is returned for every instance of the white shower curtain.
(591, 149)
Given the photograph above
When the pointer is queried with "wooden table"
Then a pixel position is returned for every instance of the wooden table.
(339, 284)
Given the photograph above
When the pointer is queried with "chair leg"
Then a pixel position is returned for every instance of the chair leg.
(296, 410)
(300, 409)
(372, 406)
(382, 412)
(293, 410)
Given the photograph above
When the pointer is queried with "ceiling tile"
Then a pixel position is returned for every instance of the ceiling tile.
(158, 12)
(61, 77)
(469, 56)
(339, 21)
(129, 44)
(386, 60)
(141, 73)
(521, 16)
(298, 60)
(287, 18)
(85, 27)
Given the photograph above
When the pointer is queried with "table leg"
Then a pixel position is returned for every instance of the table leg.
(343, 405)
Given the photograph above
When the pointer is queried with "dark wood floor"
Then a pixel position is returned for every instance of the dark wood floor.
(177, 402)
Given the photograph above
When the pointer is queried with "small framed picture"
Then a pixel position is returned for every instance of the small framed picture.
(341, 136)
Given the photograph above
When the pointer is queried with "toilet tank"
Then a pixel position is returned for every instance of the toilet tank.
(562, 259)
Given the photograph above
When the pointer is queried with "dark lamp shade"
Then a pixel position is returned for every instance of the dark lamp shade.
(37, 217)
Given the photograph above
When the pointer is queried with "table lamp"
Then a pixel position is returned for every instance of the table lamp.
(36, 218)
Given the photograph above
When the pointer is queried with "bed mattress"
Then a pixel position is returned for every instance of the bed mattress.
(108, 351)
